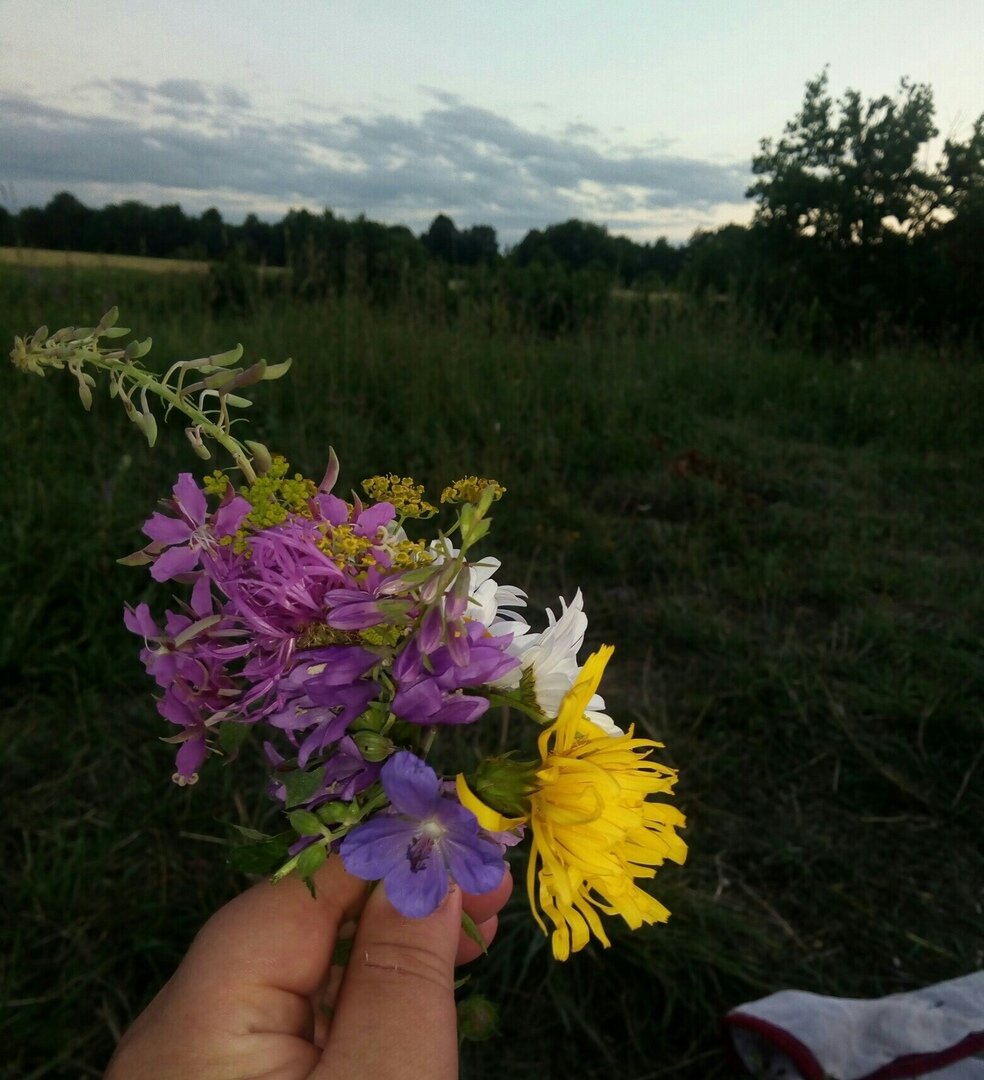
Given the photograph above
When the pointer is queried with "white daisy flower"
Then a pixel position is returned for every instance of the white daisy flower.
(489, 602)
(550, 660)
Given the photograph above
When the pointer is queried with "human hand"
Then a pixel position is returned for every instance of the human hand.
(249, 999)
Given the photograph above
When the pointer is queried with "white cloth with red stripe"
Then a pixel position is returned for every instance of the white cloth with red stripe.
(936, 1032)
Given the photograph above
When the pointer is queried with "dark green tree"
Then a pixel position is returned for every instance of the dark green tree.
(212, 237)
(8, 236)
(850, 221)
(845, 174)
(478, 245)
(960, 243)
(65, 222)
(442, 239)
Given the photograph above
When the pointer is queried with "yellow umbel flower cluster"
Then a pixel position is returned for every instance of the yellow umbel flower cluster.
(406, 554)
(341, 544)
(469, 489)
(595, 830)
(403, 492)
(273, 497)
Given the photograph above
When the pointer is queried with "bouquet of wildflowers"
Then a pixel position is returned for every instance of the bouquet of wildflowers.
(348, 645)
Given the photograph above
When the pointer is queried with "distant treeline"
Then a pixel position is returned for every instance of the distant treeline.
(302, 238)
(854, 239)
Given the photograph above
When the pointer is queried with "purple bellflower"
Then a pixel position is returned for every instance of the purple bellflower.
(432, 692)
(323, 695)
(423, 840)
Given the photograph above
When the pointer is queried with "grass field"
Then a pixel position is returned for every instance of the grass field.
(41, 258)
(785, 551)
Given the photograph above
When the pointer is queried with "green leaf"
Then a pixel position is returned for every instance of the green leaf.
(302, 785)
(231, 737)
(263, 857)
(471, 929)
(248, 833)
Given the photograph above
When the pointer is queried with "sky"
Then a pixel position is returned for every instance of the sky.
(640, 116)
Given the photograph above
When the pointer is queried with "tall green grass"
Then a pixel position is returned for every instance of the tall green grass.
(784, 549)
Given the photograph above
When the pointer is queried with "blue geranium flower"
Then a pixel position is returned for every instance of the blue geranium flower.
(426, 838)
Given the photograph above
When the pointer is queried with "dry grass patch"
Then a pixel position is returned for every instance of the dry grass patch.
(87, 260)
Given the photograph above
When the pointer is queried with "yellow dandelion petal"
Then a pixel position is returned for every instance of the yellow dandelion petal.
(595, 831)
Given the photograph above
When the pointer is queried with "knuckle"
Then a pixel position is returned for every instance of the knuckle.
(399, 960)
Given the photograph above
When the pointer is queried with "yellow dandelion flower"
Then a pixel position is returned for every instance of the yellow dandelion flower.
(594, 829)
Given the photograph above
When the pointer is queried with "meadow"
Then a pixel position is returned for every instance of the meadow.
(785, 550)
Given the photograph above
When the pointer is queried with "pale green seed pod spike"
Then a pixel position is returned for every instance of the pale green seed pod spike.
(226, 359)
(137, 349)
(262, 458)
(150, 427)
(109, 320)
(195, 438)
(275, 371)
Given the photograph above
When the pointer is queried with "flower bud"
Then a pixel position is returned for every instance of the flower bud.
(262, 459)
(505, 784)
(478, 1018)
(338, 812)
(373, 746)
(373, 719)
(304, 823)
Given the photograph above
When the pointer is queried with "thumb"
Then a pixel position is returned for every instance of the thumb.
(395, 1015)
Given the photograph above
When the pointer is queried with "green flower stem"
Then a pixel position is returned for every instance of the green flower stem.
(74, 348)
(147, 381)
(511, 702)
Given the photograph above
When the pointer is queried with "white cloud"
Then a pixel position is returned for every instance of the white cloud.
(208, 142)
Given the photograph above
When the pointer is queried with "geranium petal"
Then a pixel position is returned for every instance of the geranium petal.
(416, 891)
(372, 850)
(411, 785)
(476, 864)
